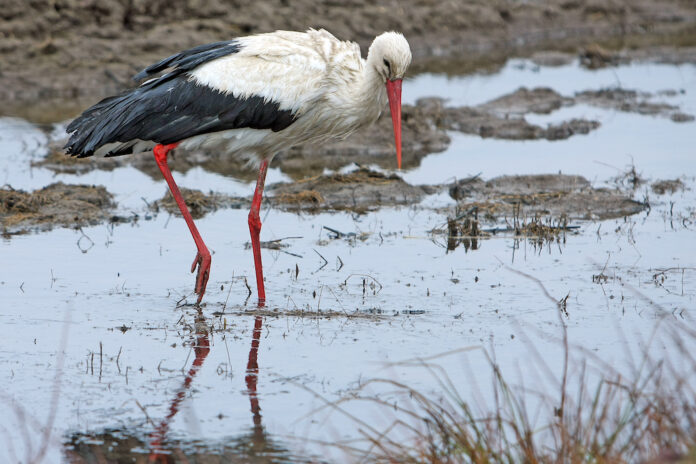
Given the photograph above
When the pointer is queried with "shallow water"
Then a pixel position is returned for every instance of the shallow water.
(129, 357)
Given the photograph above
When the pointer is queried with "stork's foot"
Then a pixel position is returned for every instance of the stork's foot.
(202, 261)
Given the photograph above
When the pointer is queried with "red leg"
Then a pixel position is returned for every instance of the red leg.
(202, 259)
(255, 228)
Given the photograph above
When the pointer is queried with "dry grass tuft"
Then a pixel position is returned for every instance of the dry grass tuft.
(465, 228)
(597, 415)
(667, 186)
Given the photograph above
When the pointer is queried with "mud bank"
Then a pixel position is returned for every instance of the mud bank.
(555, 195)
(631, 101)
(541, 209)
(359, 191)
(199, 203)
(75, 49)
(55, 205)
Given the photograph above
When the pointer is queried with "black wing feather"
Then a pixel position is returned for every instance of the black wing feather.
(189, 59)
(171, 108)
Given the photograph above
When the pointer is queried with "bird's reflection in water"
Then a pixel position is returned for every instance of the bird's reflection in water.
(252, 375)
(201, 348)
(258, 443)
(125, 445)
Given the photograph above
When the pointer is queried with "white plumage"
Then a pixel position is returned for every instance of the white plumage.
(323, 81)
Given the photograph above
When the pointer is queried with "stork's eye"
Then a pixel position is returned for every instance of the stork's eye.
(387, 64)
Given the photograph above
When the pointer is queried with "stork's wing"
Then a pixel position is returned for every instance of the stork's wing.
(167, 113)
(293, 69)
(258, 82)
(190, 59)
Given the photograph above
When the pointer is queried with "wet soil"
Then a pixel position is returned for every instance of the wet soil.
(555, 195)
(54, 205)
(631, 101)
(489, 121)
(308, 314)
(359, 191)
(199, 203)
(426, 127)
(545, 101)
(79, 49)
(596, 56)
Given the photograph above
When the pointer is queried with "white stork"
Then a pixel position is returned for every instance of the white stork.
(258, 95)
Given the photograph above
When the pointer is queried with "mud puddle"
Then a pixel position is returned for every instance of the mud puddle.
(351, 296)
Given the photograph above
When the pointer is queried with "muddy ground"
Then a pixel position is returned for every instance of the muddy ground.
(556, 195)
(358, 191)
(81, 50)
(54, 205)
(199, 203)
(501, 198)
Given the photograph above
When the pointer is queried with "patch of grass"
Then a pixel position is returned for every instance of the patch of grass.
(630, 178)
(466, 230)
(542, 230)
(597, 414)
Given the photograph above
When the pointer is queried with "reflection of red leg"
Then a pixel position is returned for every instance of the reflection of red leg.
(252, 372)
(202, 259)
(255, 228)
(201, 349)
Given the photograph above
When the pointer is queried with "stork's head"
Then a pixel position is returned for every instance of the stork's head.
(390, 57)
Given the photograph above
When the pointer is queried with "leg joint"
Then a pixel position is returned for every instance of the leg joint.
(161, 151)
(254, 220)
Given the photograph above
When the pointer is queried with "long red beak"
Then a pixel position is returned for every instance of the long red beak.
(394, 94)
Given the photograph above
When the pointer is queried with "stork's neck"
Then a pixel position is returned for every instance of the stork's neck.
(373, 92)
